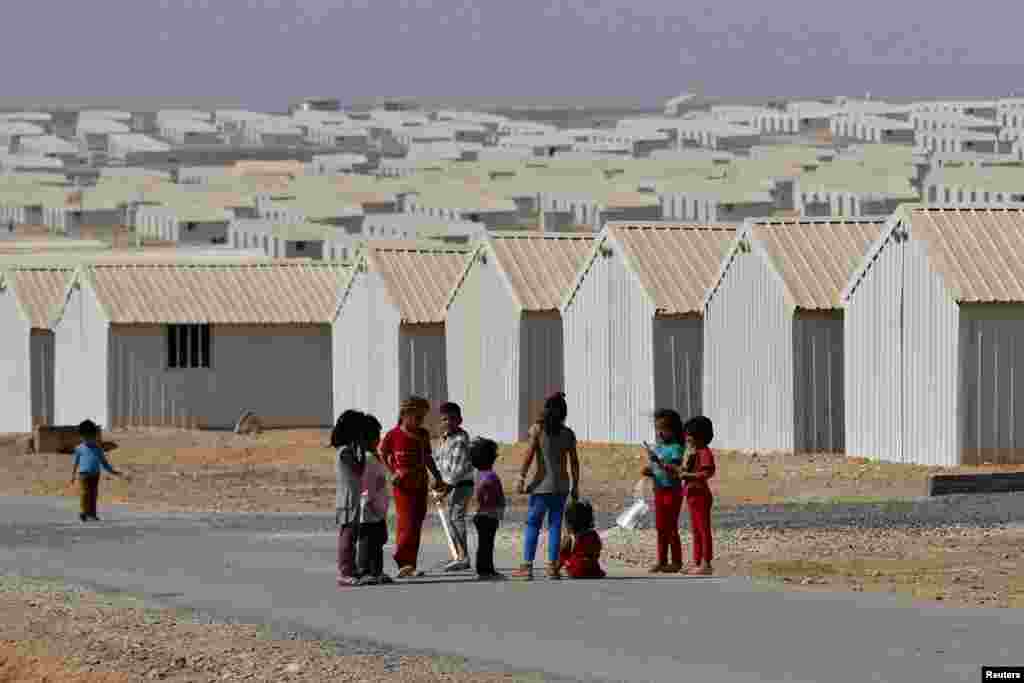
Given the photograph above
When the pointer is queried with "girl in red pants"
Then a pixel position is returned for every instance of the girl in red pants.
(700, 467)
(666, 459)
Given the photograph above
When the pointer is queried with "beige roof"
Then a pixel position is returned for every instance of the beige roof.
(676, 263)
(269, 293)
(418, 276)
(815, 258)
(540, 268)
(37, 291)
(976, 251)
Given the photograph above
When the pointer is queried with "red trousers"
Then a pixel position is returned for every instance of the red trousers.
(700, 523)
(667, 505)
(411, 510)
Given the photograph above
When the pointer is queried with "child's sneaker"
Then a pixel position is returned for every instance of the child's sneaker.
(457, 566)
(384, 579)
(347, 581)
(368, 581)
(493, 576)
(83, 517)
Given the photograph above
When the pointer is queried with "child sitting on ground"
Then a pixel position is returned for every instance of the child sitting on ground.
(490, 502)
(373, 526)
(581, 553)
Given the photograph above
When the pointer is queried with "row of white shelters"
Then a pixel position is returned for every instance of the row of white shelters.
(389, 331)
(12, 133)
(293, 239)
(935, 323)
(196, 345)
(189, 131)
(94, 133)
(183, 223)
(48, 145)
(773, 334)
(415, 226)
(125, 146)
(504, 335)
(633, 328)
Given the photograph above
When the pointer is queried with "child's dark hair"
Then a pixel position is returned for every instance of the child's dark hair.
(555, 412)
(451, 410)
(348, 429)
(482, 453)
(701, 428)
(675, 424)
(87, 429)
(371, 428)
(579, 516)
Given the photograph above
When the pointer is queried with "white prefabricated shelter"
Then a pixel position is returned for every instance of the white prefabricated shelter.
(389, 338)
(934, 330)
(633, 326)
(773, 334)
(196, 345)
(28, 297)
(504, 333)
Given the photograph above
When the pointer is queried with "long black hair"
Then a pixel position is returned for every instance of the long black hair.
(555, 412)
(348, 429)
(579, 516)
(371, 429)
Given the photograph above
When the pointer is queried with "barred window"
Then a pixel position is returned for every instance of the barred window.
(188, 346)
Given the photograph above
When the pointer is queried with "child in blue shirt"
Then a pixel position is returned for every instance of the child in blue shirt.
(89, 458)
(665, 460)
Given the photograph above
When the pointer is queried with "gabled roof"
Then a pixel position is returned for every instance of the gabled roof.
(812, 258)
(538, 268)
(976, 251)
(279, 293)
(418, 276)
(37, 291)
(675, 263)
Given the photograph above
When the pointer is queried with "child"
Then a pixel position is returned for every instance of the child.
(89, 458)
(455, 466)
(581, 553)
(406, 453)
(666, 459)
(373, 518)
(490, 502)
(347, 437)
(700, 467)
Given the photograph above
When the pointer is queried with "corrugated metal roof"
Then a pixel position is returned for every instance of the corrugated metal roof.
(268, 293)
(815, 258)
(418, 277)
(540, 268)
(675, 262)
(37, 291)
(976, 251)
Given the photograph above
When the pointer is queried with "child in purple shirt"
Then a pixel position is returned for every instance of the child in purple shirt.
(490, 502)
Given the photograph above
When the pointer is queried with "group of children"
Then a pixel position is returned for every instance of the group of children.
(371, 472)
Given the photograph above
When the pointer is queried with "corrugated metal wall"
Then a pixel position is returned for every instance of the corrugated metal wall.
(609, 360)
(365, 341)
(679, 364)
(748, 359)
(422, 367)
(541, 367)
(930, 340)
(41, 345)
(81, 355)
(281, 373)
(482, 346)
(16, 415)
(872, 352)
(818, 416)
(991, 380)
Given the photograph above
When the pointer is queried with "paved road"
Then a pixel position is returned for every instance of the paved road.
(625, 628)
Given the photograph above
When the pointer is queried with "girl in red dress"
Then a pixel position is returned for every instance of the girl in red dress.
(698, 470)
(580, 554)
(405, 451)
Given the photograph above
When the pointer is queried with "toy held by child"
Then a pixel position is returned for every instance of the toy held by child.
(373, 522)
(89, 460)
(580, 554)
(698, 470)
(666, 460)
(490, 502)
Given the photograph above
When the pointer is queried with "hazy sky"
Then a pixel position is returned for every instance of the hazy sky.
(263, 53)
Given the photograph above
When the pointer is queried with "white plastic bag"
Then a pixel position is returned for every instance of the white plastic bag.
(632, 516)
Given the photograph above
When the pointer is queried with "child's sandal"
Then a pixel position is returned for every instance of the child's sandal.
(554, 571)
(525, 571)
(657, 568)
